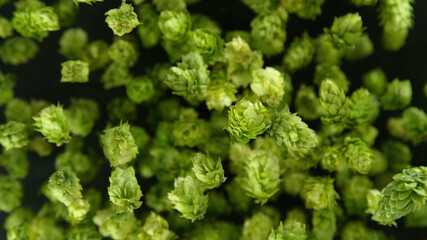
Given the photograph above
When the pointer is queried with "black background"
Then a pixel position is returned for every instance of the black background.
(40, 78)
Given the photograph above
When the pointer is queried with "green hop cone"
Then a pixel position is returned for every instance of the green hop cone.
(190, 78)
(268, 33)
(188, 198)
(35, 22)
(398, 95)
(208, 170)
(299, 54)
(52, 123)
(119, 145)
(346, 30)
(13, 135)
(269, 85)
(247, 119)
(261, 176)
(122, 20)
(174, 25)
(124, 190)
(357, 155)
(208, 44)
(319, 193)
(333, 100)
(288, 129)
(242, 61)
(406, 193)
(75, 71)
(291, 230)
(359, 108)
(65, 187)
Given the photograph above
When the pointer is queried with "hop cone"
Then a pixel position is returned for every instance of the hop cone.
(402, 196)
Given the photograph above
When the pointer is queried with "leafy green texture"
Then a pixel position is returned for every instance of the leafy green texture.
(333, 100)
(122, 20)
(84, 232)
(174, 25)
(35, 22)
(13, 135)
(190, 78)
(331, 158)
(411, 126)
(121, 109)
(305, 9)
(188, 198)
(7, 82)
(207, 106)
(299, 54)
(96, 54)
(241, 61)
(140, 89)
(148, 32)
(346, 30)
(208, 170)
(355, 230)
(333, 72)
(357, 155)
(72, 43)
(354, 194)
(16, 163)
(417, 218)
(326, 53)
(52, 123)
(123, 53)
(398, 154)
(290, 230)
(268, 84)
(11, 191)
(189, 132)
(398, 95)
(260, 224)
(75, 71)
(375, 81)
(307, 103)
(373, 198)
(155, 227)
(405, 194)
(396, 17)
(85, 166)
(208, 44)
(67, 12)
(82, 115)
(324, 224)
(119, 145)
(220, 94)
(268, 33)
(18, 50)
(261, 176)
(247, 119)
(363, 48)
(359, 108)
(116, 226)
(65, 187)
(124, 190)
(6, 29)
(319, 193)
(116, 75)
(288, 129)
